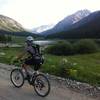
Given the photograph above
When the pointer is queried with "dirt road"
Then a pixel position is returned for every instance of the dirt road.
(9, 92)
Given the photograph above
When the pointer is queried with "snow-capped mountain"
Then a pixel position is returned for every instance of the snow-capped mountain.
(88, 27)
(79, 15)
(66, 23)
(42, 28)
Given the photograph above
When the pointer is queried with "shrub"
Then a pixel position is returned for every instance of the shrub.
(85, 46)
(66, 69)
(80, 47)
(60, 48)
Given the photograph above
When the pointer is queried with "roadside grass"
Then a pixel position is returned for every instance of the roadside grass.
(87, 65)
(9, 53)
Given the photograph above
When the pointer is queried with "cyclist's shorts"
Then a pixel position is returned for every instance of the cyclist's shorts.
(29, 61)
(32, 62)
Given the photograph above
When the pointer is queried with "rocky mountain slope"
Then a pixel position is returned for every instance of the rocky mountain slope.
(66, 23)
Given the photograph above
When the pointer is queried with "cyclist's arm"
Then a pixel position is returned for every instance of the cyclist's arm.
(20, 55)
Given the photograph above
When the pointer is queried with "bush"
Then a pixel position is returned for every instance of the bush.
(80, 47)
(85, 46)
(66, 69)
(60, 48)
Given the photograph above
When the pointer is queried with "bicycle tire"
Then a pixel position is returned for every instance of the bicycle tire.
(11, 74)
(48, 91)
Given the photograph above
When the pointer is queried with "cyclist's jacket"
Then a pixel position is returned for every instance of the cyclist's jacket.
(33, 50)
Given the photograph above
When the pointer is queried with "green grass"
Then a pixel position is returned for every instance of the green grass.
(9, 54)
(18, 39)
(88, 65)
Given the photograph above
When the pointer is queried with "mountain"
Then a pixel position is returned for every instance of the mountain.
(10, 26)
(88, 27)
(42, 28)
(66, 23)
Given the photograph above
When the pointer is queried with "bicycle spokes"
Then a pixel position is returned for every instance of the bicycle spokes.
(41, 85)
(17, 77)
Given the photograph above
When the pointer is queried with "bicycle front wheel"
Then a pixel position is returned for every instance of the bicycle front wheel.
(41, 85)
(17, 77)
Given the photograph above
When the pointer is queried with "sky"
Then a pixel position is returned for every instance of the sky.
(34, 13)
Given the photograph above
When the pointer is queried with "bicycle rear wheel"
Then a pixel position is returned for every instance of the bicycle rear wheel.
(17, 77)
(41, 85)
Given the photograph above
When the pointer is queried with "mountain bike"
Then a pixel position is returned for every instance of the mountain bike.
(39, 81)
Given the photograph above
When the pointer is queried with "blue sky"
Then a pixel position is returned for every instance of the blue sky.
(34, 13)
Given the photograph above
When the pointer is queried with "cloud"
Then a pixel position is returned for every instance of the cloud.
(33, 13)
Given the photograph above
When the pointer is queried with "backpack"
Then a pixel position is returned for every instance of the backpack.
(38, 57)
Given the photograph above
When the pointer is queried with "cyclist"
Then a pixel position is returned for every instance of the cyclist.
(31, 55)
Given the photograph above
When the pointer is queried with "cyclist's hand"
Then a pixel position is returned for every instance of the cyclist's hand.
(22, 59)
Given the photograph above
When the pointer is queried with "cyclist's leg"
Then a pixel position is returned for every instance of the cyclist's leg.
(25, 67)
(27, 75)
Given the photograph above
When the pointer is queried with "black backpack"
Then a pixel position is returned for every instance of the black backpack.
(37, 49)
(38, 57)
